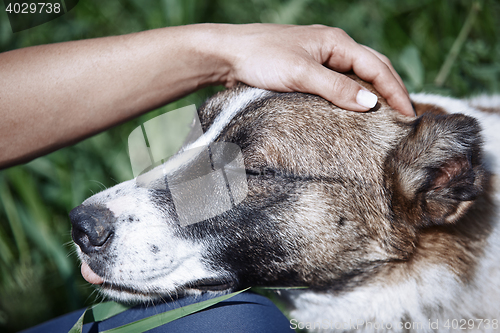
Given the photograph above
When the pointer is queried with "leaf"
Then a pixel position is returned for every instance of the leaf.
(103, 311)
(412, 66)
(15, 222)
(77, 328)
(98, 312)
(163, 318)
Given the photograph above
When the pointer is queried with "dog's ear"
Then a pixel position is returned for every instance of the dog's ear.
(435, 172)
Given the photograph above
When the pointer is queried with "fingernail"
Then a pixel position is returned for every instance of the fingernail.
(366, 99)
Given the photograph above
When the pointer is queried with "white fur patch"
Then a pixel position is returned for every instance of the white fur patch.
(147, 257)
(485, 101)
(234, 106)
(417, 303)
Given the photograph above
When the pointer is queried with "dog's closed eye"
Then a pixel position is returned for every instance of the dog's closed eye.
(261, 172)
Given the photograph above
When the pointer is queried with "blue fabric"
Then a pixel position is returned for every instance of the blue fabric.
(245, 313)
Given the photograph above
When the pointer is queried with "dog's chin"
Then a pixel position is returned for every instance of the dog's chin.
(137, 294)
(115, 289)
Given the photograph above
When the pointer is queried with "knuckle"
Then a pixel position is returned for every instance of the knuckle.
(319, 26)
(382, 57)
(332, 33)
(340, 33)
(385, 60)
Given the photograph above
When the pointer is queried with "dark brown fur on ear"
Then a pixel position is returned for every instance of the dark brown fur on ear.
(435, 173)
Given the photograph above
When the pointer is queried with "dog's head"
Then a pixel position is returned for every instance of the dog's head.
(332, 196)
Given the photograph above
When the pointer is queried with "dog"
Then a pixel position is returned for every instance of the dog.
(390, 222)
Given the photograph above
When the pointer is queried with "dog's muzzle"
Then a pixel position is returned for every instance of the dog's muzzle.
(92, 227)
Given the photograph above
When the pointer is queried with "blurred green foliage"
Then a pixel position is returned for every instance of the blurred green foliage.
(39, 278)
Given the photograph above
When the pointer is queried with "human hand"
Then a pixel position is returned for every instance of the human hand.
(308, 59)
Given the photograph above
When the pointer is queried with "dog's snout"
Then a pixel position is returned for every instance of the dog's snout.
(92, 227)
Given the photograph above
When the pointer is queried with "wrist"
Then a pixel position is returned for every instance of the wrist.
(210, 44)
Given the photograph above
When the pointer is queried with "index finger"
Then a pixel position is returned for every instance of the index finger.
(386, 61)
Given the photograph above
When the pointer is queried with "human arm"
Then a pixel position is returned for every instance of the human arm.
(55, 95)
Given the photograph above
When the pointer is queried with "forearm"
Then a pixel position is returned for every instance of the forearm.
(52, 95)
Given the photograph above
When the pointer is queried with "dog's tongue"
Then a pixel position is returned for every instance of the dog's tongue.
(90, 276)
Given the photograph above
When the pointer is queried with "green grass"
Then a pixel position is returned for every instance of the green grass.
(39, 276)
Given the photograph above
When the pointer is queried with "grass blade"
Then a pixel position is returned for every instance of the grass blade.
(166, 317)
(15, 222)
(77, 328)
(457, 45)
(98, 312)
(103, 311)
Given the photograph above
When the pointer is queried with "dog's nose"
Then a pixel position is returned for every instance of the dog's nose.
(92, 227)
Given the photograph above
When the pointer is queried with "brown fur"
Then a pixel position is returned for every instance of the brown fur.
(489, 110)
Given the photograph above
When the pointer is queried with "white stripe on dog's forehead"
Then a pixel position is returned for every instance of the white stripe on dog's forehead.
(234, 106)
